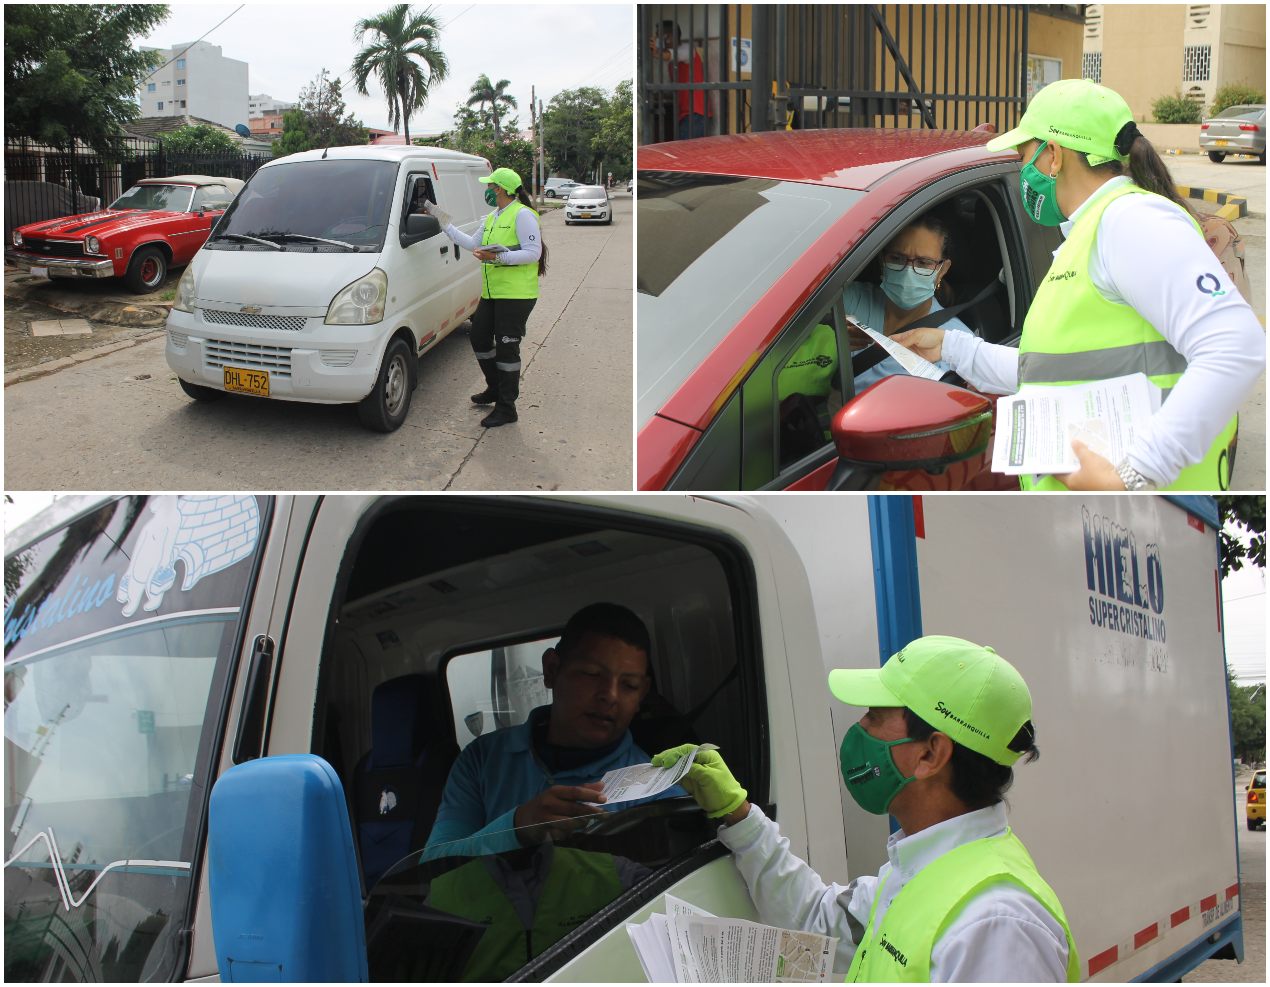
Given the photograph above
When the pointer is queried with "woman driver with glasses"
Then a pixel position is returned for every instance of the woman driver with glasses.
(914, 265)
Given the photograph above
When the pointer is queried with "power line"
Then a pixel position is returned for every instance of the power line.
(606, 64)
(196, 40)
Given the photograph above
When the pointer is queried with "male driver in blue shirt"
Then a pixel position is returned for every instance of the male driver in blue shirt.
(547, 768)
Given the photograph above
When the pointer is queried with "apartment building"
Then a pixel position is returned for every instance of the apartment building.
(198, 80)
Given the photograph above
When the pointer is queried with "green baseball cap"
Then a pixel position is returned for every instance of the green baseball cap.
(1075, 113)
(962, 689)
(504, 178)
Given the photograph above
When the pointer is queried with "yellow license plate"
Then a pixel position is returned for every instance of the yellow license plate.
(586, 215)
(1221, 143)
(247, 381)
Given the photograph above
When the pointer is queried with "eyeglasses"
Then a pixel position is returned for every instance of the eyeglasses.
(923, 267)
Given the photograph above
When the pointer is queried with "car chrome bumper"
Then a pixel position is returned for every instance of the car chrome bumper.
(62, 267)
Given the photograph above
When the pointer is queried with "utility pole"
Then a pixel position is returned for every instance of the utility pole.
(533, 123)
(542, 158)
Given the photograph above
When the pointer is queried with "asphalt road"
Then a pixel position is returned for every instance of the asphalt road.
(121, 422)
(1252, 886)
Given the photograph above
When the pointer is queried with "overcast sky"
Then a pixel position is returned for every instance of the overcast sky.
(551, 46)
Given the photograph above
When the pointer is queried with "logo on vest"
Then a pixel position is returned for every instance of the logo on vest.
(1061, 276)
(387, 801)
(1202, 283)
(896, 955)
(821, 361)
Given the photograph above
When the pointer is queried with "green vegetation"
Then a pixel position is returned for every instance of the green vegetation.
(404, 56)
(320, 120)
(1235, 94)
(1243, 532)
(1176, 109)
(200, 139)
(1248, 719)
(587, 133)
(494, 95)
(70, 70)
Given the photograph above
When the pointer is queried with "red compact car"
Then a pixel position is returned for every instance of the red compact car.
(156, 225)
(755, 251)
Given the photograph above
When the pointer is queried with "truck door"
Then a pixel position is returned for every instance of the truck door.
(427, 270)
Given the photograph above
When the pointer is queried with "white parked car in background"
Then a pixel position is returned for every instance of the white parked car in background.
(588, 204)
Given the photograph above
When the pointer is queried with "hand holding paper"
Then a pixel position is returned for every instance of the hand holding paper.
(708, 780)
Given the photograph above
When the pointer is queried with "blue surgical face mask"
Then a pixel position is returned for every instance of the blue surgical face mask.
(907, 289)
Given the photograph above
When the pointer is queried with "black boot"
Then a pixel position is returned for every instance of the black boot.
(504, 412)
(490, 394)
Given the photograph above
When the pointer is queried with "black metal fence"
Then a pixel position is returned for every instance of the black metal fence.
(42, 182)
(730, 68)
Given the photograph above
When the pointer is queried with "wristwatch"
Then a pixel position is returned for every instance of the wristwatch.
(1133, 480)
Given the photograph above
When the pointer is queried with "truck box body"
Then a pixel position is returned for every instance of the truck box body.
(151, 645)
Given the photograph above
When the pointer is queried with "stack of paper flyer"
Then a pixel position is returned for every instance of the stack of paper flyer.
(641, 781)
(690, 946)
(1036, 426)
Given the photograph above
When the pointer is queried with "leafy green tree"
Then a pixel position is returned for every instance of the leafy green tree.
(612, 144)
(570, 124)
(494, 95)
(404, 56)
(319, 120)
(1248, 719)
(199, 139)
(1246, 516)
(1235, 94)
(70, 70)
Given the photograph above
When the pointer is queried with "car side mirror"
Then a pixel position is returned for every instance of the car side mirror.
(419, 226)
(910, 423)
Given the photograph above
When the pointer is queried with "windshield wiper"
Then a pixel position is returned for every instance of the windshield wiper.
(315, 239)
(247, 236)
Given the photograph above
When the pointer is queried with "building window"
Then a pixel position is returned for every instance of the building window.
(1196, 60)
(180, 82)
(180, 63)
(182, 104)
(160, 105)
(150, 87)
(1091, 66)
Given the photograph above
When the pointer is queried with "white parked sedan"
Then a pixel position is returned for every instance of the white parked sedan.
(588, 204)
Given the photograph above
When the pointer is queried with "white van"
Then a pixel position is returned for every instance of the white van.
(156, 645)
(325, 281)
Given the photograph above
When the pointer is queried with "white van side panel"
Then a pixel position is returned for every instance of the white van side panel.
(1128, 811)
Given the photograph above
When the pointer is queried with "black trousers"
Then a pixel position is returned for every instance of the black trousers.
(497, 329)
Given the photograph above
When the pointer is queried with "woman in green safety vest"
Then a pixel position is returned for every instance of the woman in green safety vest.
(959, 898)
(513, 258)
(1134, 288)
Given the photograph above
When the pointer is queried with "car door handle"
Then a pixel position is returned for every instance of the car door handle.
(445, 250)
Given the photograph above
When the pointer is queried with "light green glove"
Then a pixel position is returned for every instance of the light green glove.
(708, 780)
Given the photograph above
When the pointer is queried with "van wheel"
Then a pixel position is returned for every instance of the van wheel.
(200, 393)
(385, 407)
(1216, 157)
(1251, 824)
(146, 271)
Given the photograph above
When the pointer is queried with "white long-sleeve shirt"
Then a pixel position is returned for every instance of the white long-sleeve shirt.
(1147, 256)
(528, 233)
(1002, 934)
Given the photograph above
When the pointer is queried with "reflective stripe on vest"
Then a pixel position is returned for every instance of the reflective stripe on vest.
(507, 280)
(1072, 335)
(578, 884)
(899, 949)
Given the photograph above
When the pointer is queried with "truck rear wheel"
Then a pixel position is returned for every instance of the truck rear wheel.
(386, 406)
(147, 270)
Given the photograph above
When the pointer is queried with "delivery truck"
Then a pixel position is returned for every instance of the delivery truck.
(229, 719)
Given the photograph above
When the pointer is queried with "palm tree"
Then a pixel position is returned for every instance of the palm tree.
(405, 58)
(493, 94)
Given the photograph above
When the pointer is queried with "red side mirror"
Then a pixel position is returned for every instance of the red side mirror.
(904, 422)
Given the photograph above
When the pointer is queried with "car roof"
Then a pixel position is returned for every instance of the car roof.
(233, 183)
(380, 152)
(852, 158)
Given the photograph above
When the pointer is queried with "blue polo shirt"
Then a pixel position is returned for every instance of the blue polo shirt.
(867, 303)
(499, 771)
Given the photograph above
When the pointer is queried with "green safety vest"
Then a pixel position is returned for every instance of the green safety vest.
(507, 280)
(1073, 335)
(810, 369)
(578, 885)
(899, 950)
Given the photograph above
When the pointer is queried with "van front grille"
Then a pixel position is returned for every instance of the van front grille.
(289, 323)
(223, 353)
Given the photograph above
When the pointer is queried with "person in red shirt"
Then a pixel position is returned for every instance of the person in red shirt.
(692, 105)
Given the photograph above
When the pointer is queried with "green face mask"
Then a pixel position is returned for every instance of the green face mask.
(1039, 199)
(491, 197)
(869, 770)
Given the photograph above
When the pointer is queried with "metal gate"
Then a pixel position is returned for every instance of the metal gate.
(731, 68)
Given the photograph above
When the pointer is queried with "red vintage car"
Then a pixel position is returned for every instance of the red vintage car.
(156, 225)
(749, 245)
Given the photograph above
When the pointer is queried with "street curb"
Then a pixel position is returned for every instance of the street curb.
(1232, 206)
(83, 356)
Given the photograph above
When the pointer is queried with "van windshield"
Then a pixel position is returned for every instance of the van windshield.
(118, 628)
(331, 206)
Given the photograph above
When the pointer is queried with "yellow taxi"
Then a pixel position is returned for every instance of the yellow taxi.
(1256, 800)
